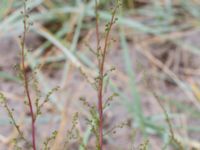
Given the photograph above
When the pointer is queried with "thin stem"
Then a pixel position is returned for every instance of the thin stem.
(101, 73)
(97, 32)
(13, 120)
(97, 25)
(26, 85)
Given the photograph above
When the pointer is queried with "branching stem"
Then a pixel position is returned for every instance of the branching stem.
(25, 76)
(101, 63)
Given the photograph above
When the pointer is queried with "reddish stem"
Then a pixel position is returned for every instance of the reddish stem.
(100, 110)
(26, 80)
(101, 64)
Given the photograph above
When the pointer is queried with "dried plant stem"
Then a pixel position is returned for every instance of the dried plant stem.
(25, 76)
(101, 54)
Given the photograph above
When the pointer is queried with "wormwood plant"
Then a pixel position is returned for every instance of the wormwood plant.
(101, 57)
(172, 136)
(99, 82)
(24, 72)
(95, 121)
(28, 80)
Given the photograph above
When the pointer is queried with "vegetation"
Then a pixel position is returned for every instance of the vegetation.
(132, 65)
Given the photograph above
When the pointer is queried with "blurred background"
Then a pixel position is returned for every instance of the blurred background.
(155, 50)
